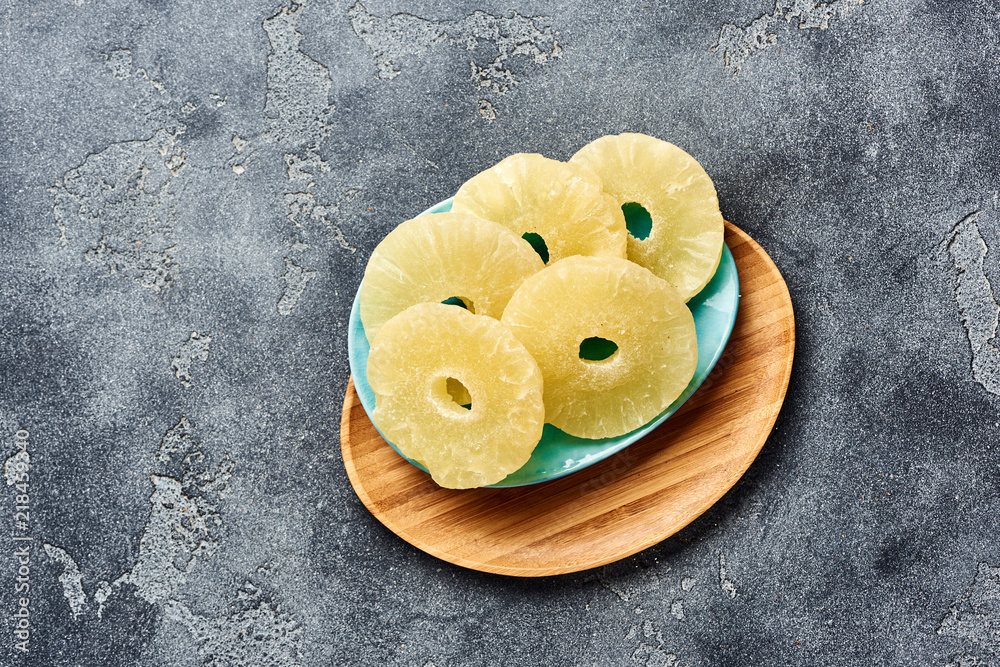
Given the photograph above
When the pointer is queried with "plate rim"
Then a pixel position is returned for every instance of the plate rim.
(626, 439)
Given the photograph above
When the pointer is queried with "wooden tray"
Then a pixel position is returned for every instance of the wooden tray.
(615, 508)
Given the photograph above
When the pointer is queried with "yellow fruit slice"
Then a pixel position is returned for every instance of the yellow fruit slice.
(440, 257)
(575, 304)
(430, 347)
(561, 204)
(684, 243)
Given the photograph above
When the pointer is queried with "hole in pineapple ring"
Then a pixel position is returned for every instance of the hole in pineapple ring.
(638, 222)
(461, 302)
(597, 349)
(459, 394)
(538, 243)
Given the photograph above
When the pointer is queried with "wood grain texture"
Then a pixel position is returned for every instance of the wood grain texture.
(615, 508)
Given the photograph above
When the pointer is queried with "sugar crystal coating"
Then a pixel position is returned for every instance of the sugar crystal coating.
(580, 298)
(684, 245)
(412, 359)
(563, 203)
(441, 256)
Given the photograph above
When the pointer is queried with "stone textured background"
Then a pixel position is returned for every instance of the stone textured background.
(189, 193)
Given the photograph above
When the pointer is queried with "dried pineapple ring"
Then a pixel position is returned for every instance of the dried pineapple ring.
(558, 312)
(443, 256)
(562, 203)
(417, 355)
(684, 244)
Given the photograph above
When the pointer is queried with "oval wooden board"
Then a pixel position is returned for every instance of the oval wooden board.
(626, 503)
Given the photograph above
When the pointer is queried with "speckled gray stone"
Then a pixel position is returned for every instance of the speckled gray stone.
(189, 193)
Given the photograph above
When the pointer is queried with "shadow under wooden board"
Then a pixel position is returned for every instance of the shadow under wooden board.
(626, 503)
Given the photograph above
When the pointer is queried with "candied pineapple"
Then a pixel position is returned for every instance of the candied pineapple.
(444, 257)
(616, 345)
(684, 242)
(561, 207)
(417, 362)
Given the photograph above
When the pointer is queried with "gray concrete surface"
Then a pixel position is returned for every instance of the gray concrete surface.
(189, 193)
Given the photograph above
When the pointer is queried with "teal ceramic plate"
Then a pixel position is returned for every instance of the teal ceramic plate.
(558, 453)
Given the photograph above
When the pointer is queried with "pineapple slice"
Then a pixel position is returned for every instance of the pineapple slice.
(566, 313)
(684, 243)
(560, 207)
(444, 257)
(418, 360)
